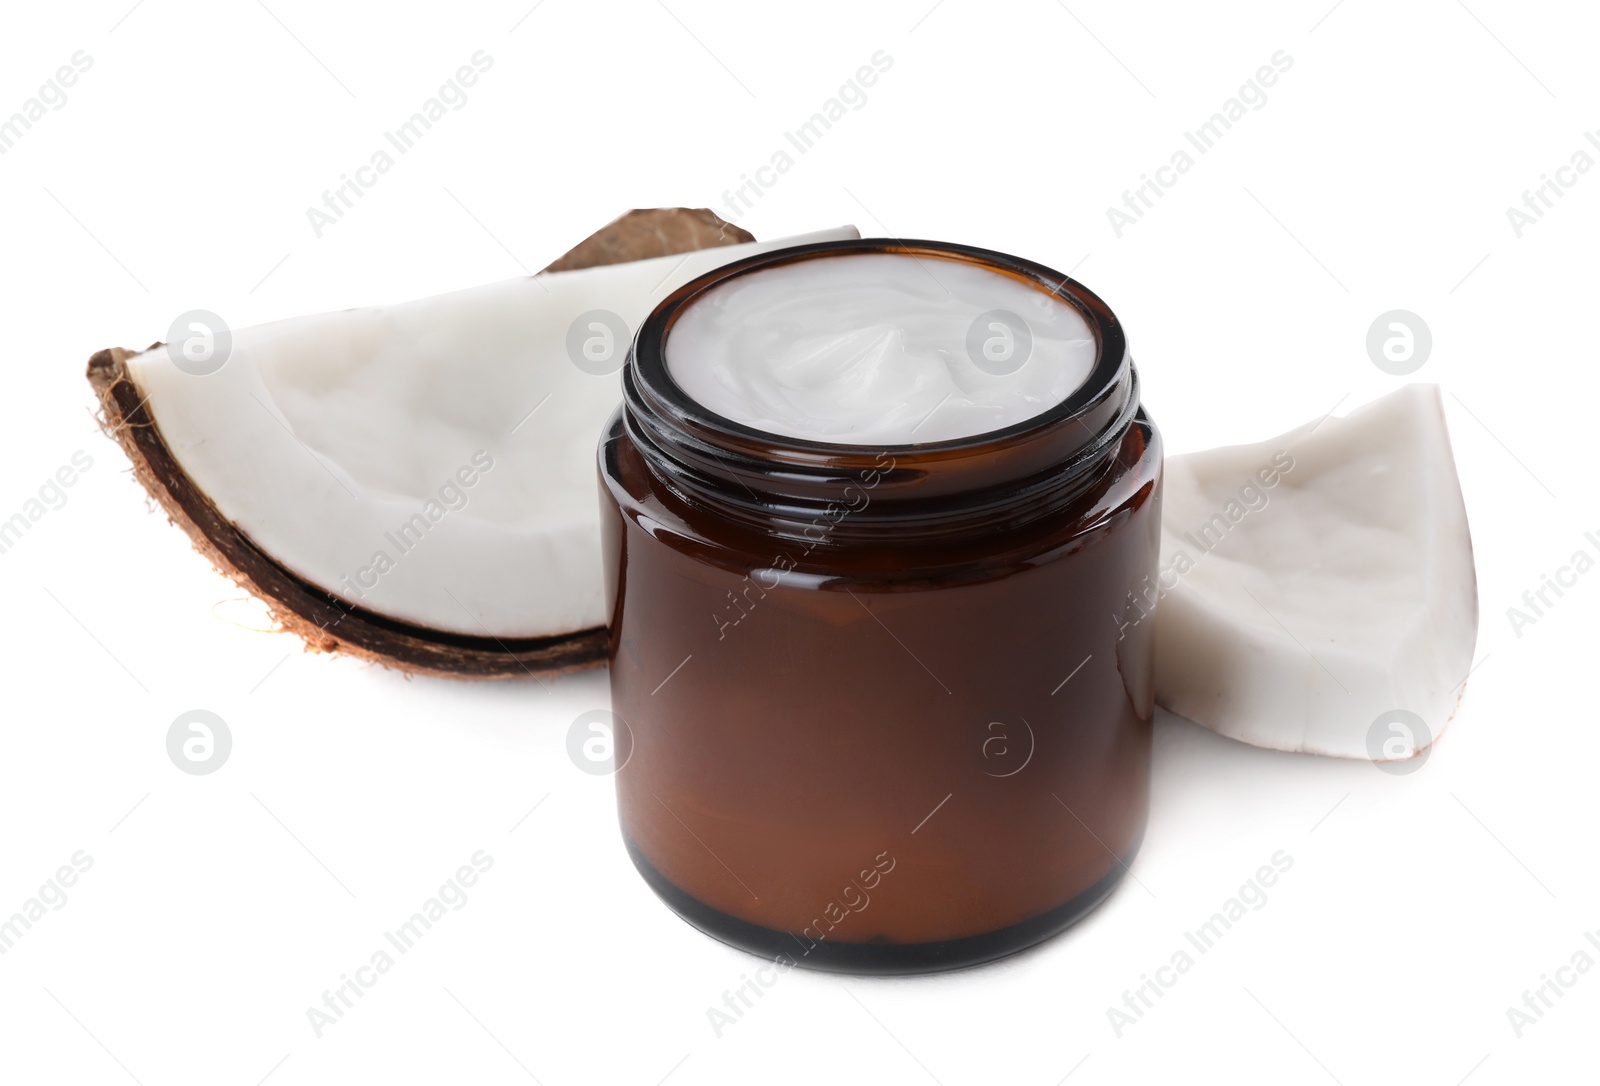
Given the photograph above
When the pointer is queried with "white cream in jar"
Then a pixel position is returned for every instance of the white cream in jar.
(879, 349)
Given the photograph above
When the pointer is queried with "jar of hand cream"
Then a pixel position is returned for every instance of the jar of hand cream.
(873, 516)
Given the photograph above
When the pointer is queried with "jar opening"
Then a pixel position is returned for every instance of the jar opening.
(869, 348)
(1016, 472)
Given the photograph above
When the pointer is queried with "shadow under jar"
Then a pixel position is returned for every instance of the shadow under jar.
(882, 709)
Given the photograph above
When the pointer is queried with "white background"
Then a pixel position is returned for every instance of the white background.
(1419, 908)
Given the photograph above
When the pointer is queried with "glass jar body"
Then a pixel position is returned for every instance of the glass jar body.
(897, 755)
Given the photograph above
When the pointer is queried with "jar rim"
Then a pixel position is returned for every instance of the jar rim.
(646, 364)
(783, 484)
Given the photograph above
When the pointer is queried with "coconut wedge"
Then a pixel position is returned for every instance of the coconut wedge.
(415, 484)
(1318, 589)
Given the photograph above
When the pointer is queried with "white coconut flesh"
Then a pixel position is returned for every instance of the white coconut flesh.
(434, 461)
(1315, 584)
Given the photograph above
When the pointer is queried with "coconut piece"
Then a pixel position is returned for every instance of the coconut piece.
(1315, 585)
(415, 484)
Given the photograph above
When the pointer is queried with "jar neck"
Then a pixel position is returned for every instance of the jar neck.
(827, 493)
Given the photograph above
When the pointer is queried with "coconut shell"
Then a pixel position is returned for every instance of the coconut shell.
(323, 621)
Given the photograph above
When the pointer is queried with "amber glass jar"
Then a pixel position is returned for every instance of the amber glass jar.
(882, 710)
